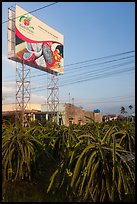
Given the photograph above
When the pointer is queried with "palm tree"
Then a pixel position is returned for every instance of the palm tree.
(130, 107)
(123, 110)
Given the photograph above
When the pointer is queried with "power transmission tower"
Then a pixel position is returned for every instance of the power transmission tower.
(22, 94)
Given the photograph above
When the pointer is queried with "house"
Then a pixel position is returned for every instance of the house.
(67, 114)
(110, 117)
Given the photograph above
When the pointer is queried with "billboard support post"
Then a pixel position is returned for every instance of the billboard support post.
(53, 95)
(22, 94)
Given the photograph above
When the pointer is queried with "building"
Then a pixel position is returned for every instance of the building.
(67, 114)
(71, 114)
(110, 117)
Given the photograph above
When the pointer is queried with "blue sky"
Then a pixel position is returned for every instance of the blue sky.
(91, 30)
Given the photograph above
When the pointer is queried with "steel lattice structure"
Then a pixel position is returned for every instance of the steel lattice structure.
(53, 94)
(22, 93)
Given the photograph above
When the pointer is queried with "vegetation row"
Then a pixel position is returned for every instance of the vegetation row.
(94, 162)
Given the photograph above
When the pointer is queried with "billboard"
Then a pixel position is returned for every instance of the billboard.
(36, 44)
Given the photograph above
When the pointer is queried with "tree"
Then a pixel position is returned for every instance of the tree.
(130, 107)
(123, 110)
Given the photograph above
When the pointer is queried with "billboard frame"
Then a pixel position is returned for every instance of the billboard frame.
(49, 58)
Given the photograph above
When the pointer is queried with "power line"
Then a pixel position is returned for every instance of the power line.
(93, 74)
(81, 67)
(98, 99)
(93, 71)
(40, 88)
(101, 63)
(99, 72)
(94, 60)
(92, 102)
(99, 76)
(114, 60)
(90, 60)
(112, 97)
(79, 80)
(32, 11)
(108, 56)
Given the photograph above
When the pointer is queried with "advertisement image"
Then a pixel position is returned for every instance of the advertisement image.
(37, 44)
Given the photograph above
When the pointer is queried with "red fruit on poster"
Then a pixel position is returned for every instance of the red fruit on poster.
(26, 22)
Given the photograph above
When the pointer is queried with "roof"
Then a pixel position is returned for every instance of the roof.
(110, 115)
(13, 112)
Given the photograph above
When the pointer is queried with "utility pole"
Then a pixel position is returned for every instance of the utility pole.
(73, 101)
(69, 97)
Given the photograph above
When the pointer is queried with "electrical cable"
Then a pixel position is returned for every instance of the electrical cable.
(32, 11)
(93, 102)
(107, 71)
(91, 78)
(76, 68)
(98, 71)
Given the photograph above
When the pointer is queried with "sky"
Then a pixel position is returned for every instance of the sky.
(92, 30)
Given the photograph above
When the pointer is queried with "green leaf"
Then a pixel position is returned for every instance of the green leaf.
(52, 180)
(77, 166)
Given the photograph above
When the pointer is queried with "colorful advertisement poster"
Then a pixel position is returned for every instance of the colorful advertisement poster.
(37, 44)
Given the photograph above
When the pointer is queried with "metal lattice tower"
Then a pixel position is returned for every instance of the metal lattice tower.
(22, 94)
(53, 94)
(22, 75)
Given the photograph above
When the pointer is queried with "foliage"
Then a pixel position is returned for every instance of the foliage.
(95, 169)
(123, 110)
(130, 107)
(93, 162)
(18, 151)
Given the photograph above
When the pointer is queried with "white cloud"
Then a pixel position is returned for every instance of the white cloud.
(38, 99)
(7, 61)
(9, 83)
(8, 92)
(8, 87)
